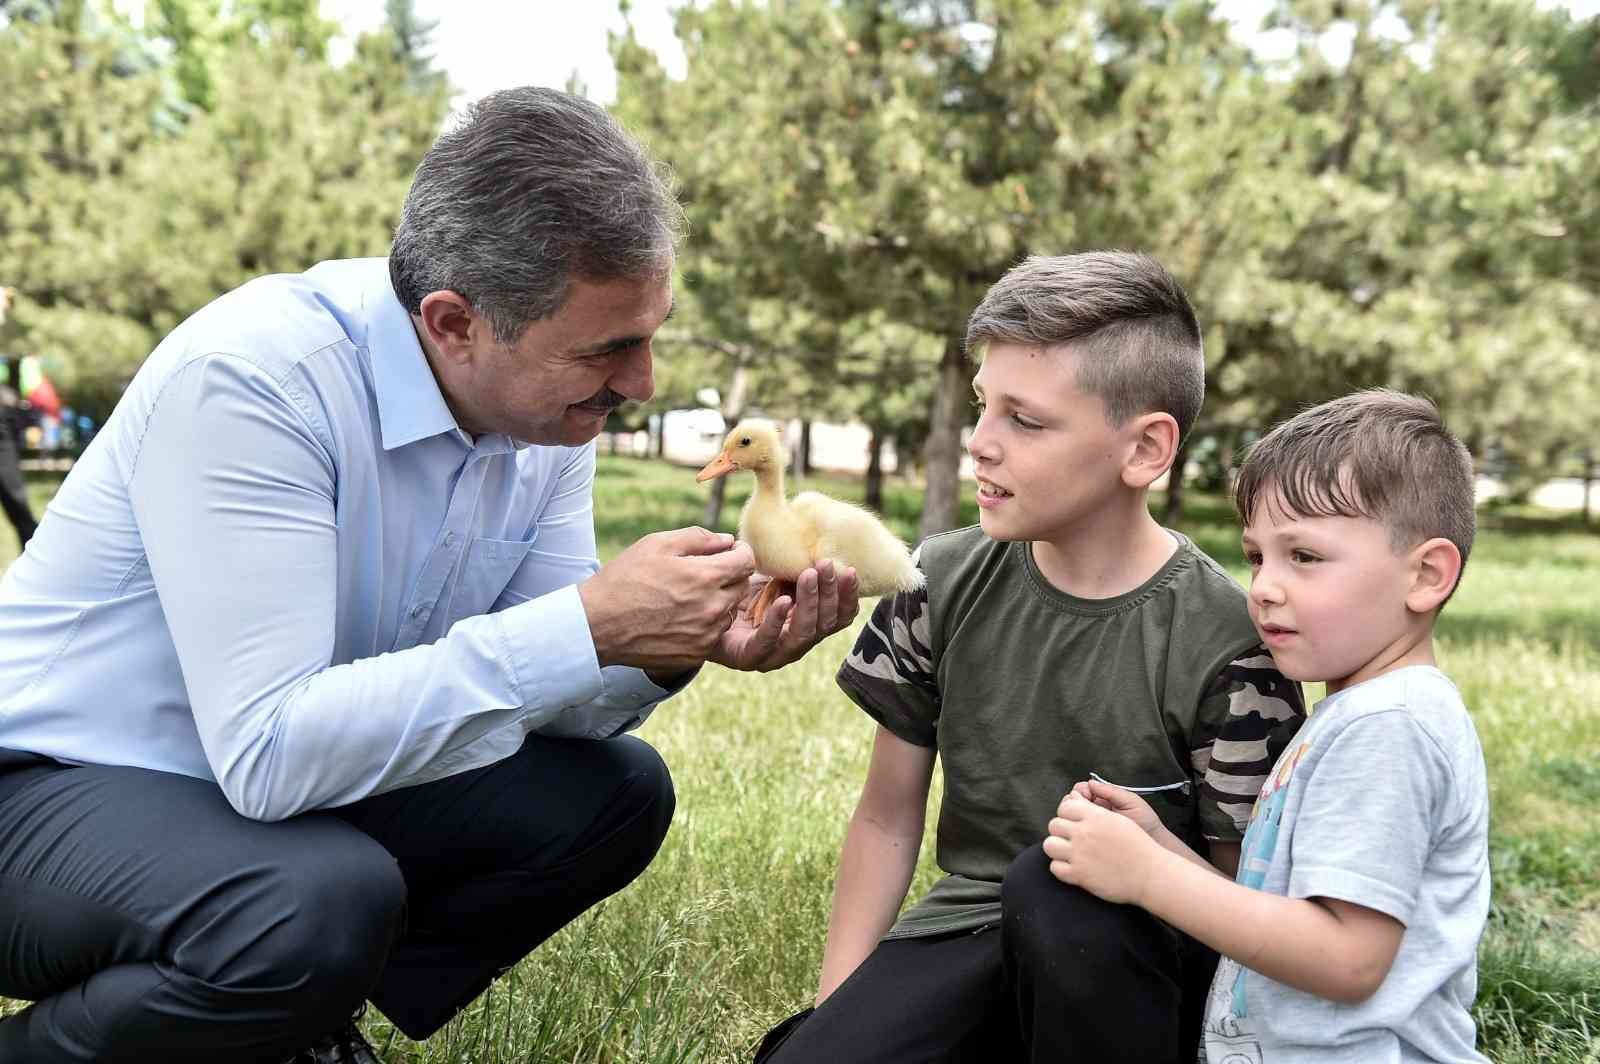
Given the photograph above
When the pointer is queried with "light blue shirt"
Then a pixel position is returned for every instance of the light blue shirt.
(282, 566)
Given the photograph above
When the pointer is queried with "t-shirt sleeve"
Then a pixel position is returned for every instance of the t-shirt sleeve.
(889, 672)
(1366, 820)
(1248, 714)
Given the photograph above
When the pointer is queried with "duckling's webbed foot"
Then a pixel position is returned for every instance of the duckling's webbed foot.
(769, 595)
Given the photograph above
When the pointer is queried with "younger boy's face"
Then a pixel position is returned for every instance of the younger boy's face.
(1046, 459)
(1327, 594)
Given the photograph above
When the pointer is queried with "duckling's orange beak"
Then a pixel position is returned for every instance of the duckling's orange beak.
(719, 466)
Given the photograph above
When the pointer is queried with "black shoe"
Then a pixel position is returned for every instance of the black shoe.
(344, 1046)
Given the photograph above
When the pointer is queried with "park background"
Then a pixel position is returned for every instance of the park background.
(1354, 192)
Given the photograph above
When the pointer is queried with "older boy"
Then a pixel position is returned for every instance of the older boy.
(1069, 634)
(1352, 932)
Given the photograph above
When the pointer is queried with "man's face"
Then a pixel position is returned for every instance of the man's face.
(565, 373)
(1327, 594)
(1045, 456)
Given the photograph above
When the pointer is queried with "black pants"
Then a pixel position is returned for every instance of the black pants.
(1065, 978)
(13, 492)
(147, 921)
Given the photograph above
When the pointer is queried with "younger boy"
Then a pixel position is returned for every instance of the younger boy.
(1352, 932)
(1069, 634)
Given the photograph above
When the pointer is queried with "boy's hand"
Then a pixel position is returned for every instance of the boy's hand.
(1108, 855)
(1125, 803)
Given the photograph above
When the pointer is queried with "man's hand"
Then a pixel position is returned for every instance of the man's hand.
(824, 603)
(665, 603)
(1108, 855)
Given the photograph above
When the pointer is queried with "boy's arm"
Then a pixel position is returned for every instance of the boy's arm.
(879, 855)
(1333, 949)
(1374, 796)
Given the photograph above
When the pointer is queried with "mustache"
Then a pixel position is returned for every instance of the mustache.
(604, 397)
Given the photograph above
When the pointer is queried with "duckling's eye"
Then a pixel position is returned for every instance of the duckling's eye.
(745, 442)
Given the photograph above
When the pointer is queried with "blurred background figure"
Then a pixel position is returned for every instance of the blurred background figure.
(13, 493)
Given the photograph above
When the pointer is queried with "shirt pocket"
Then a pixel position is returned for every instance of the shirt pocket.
(486, 572)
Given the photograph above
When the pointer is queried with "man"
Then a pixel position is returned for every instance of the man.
(314, 690)
(13, 492)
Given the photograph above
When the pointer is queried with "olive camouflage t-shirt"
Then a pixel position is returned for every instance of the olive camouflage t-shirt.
(1024, 690)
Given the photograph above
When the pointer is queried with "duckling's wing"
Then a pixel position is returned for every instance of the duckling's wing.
(854, 536)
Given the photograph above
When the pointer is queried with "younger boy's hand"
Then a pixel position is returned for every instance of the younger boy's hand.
(1123, 802)
(1108, 855)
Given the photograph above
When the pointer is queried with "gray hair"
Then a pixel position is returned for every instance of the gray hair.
(1376, 454)
(1136, 337)
(532, 189)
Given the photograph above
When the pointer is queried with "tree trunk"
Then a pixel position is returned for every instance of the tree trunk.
(1174, 508)
(875, 471)
(802, 454)
(732, 409)
(1589, 471)
(941, 455)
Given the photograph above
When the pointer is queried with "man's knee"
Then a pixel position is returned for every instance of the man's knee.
(645, 802)
(313, 934)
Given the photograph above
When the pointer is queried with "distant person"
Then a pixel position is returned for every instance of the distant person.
(1067, 636)
(13, 491)
(315, 689)
(1352, 931)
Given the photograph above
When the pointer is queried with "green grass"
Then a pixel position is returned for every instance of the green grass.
(722, 936)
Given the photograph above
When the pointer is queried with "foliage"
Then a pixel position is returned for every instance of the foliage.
(1420, 214)
(134, 190)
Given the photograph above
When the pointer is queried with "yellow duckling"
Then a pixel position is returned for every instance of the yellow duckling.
(789, 537)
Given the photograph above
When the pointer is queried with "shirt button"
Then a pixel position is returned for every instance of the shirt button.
(419, 612)
(449, 538)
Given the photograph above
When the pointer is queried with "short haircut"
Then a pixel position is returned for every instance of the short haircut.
(1136, 337)
(1378, 454)
(532, 189)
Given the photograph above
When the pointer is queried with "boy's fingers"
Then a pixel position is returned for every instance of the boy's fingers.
(1056, 848)
(1106, 790)
(1072, 799)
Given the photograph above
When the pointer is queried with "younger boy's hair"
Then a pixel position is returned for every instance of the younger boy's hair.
(1378, 454)
(1136, 337)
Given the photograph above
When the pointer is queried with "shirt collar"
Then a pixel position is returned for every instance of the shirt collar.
(410, 405)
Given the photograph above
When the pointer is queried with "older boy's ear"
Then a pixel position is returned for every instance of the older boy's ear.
(1435, 568)
(1153, 443)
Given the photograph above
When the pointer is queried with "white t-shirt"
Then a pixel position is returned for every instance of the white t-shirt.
(1381, 800)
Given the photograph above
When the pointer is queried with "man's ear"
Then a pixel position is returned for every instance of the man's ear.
(1435, 568)
(1153, 443)
(451, 326)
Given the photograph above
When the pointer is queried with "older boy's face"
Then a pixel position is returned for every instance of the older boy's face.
(1327, 594)
(1047, 461)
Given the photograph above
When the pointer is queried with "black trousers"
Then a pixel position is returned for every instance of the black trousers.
(13, 492)
(1065, 978)
(147, 921)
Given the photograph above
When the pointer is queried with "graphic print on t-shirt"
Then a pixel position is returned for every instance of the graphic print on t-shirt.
(1228, 1038)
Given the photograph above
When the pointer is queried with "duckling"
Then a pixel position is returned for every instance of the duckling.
(789, 537)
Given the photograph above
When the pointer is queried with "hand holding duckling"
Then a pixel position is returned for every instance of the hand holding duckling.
(824, 603)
